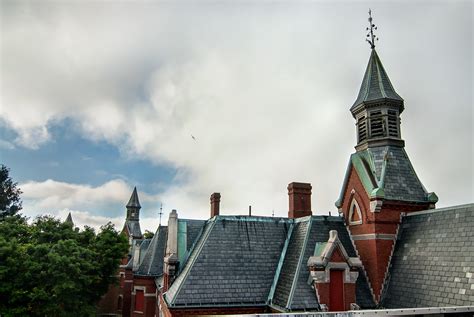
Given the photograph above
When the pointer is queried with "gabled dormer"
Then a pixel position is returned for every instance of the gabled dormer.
(377, 108)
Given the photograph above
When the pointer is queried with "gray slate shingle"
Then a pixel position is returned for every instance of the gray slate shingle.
(152, 262)
(233, 263)
(401, 182)
(376, 85)
(433, 260)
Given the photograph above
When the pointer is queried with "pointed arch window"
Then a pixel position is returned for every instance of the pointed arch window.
(355, 215)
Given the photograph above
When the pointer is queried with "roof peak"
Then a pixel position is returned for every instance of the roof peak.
(134, 202)
(69, 219)
(376, 85)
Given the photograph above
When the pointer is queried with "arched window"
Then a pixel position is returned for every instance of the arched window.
(355, 215)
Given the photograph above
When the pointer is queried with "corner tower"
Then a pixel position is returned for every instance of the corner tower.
(380, 182)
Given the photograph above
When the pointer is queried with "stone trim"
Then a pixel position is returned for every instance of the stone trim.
(362, 267)
(374, 236)
(355, 204)
(386, 279)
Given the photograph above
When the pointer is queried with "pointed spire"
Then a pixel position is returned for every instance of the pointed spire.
(133, 202)
(69, 219)
(376, 85)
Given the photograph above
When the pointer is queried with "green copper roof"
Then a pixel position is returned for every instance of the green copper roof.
(133, 202)
(376, 84)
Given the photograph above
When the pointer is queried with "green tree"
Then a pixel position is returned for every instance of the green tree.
(148, 234)
(10, 202)
(49, 268)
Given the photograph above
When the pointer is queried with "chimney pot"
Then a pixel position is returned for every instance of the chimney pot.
(215, 204)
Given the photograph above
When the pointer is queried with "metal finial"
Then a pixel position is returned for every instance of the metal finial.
(371, 37)
(161, 212)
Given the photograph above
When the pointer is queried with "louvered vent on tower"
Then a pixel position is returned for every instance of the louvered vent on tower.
(376, 124)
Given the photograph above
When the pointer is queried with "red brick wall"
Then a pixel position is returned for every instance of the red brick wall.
(126, 292)
(374, 254)
(149, 302)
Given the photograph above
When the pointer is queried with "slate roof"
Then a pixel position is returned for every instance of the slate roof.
(233, 263)
(376, 85)
(133, 227)
(293, 290)
(433, 260)
(134, 202)
(242, 260)
(386, 172)
(152, 262)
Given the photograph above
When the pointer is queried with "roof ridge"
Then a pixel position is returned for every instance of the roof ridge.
(298, 267)
(280, 264)
(379, 76)
(156, 237)
(432, 211)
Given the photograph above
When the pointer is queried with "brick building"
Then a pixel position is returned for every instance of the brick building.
(388, 248)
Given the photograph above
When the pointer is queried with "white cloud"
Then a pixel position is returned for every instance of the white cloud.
(84, 202)
(88, 218)
(265, 89)
(54, 195)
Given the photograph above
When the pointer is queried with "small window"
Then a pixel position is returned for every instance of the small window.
(139, 300)
(355, 215)
(362, 128)
(393, 123)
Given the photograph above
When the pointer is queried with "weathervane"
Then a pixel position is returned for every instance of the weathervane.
(371, 38)
(161, 212)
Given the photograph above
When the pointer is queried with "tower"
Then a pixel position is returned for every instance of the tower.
(380, 182)
(132, 222)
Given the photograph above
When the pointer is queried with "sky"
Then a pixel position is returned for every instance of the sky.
(183, 99)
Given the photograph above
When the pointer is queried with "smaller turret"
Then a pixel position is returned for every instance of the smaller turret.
(132, 223)
(69, 219)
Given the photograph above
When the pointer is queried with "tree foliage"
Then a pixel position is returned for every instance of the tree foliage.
(148, 234)
(49, 268)
(10, 202)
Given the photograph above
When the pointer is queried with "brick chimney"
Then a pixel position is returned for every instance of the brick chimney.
(299, 199)
(215, 204)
